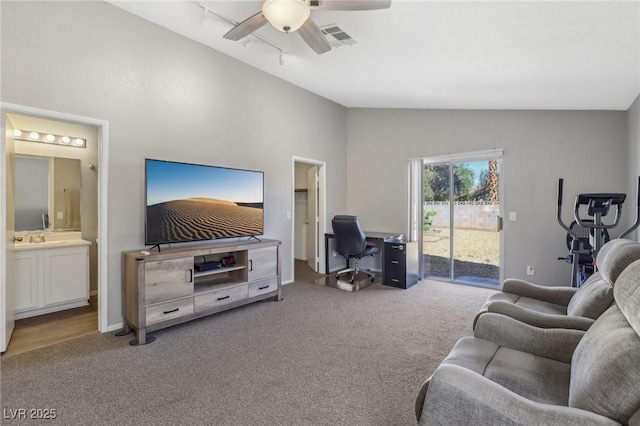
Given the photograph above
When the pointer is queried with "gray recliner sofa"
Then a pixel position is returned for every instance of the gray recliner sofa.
(565, 307)
(512, 373)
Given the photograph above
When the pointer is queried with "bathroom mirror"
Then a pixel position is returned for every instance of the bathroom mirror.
(47, 193)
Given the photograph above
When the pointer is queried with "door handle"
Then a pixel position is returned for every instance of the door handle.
(17, 239)
(500, 223)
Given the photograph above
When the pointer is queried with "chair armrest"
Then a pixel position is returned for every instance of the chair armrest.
(539, 319)
(557, 295)
(553, 343)
(457, 396)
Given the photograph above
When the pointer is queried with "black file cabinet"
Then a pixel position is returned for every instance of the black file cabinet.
(400, 263)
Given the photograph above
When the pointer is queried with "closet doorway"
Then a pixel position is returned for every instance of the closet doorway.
(308, 216)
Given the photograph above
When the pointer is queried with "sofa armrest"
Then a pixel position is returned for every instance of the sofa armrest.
(553, 343)
(457, 396)
(538, 319)
(557, 295)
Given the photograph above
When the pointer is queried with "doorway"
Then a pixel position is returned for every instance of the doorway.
(308, 208)
(73, 213)
(462, 218)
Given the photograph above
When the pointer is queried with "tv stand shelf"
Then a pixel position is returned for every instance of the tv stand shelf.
(162, 289)
(218, 271)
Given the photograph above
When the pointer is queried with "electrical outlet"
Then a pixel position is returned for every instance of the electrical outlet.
(530, 270)
(59, 215)
(512, 216)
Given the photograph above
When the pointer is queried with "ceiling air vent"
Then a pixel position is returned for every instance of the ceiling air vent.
(337, 36)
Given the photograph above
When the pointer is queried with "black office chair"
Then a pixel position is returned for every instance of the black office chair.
(351, 243)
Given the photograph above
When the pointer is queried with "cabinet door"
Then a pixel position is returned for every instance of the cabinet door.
(66, 275)
(263, 263)
(168, 279)
(26, 280)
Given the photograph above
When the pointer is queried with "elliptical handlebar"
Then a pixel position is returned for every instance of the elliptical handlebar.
(559, 210)
(637, 223)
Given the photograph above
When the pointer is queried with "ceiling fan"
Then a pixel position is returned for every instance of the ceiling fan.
(293, 15)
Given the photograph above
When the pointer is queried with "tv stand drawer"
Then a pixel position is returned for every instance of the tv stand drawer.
(205, 302)
(264, 286)
(169, 310)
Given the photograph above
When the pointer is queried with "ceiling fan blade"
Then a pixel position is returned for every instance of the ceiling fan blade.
(246, 27)
(314, 37)
(350, 4)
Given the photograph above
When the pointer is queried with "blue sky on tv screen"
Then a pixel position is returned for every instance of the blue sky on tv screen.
(168, 181)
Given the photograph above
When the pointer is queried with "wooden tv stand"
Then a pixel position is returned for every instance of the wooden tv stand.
(165, 288)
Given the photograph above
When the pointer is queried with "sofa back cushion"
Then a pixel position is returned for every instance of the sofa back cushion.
(592, 299)
(596, 294)
(615, 256)
(605, 377)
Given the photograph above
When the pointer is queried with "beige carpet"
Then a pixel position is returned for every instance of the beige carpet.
(321, 356)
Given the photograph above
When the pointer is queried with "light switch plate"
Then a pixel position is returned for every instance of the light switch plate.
(512, 216)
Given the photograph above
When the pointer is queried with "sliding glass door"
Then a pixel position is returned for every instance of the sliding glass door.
(462, 221)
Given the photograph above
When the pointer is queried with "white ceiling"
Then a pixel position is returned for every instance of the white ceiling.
(552, 55)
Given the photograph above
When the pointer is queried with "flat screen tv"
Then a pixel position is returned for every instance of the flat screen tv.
(194, 202)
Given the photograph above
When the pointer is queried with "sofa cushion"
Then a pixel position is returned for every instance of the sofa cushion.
(592, 299)
(536, 378)
(528, 303)
(533, 377)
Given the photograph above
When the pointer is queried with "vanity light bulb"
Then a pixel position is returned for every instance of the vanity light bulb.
(34, 135)
(17, 132)
(50, 138)
(78, 142)
(65, 139)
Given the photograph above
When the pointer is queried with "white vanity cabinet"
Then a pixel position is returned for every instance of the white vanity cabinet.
(26, 275)
(51, 278)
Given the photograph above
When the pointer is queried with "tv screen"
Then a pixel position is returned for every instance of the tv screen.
(193, 202)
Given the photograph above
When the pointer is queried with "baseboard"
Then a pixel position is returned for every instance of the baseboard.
(287, 282)
(93, 293)
(114, 327)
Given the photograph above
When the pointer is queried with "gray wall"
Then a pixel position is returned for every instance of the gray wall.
(633, 136)
(588, 149)
(170, 98)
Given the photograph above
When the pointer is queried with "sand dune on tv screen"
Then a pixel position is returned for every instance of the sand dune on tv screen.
(200, 219)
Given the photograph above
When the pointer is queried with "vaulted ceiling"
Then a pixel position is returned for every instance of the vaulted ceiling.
(552, 55)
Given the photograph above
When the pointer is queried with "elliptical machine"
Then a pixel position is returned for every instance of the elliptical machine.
(586, 236)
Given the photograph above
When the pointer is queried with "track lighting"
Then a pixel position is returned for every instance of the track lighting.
(281, 58)
(249, 39)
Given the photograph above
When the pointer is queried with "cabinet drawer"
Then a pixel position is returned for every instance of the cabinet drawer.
(168, 279)
(395, 251)
(264, 286)
(208, 301)
(169, 310)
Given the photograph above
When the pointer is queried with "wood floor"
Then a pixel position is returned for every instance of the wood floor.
(44, 330)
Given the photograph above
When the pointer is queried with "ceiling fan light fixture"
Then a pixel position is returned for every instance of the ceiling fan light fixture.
(286, 15)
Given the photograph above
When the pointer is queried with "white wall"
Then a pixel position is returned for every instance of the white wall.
(587, 149)
(633, 136)
(170, 98)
